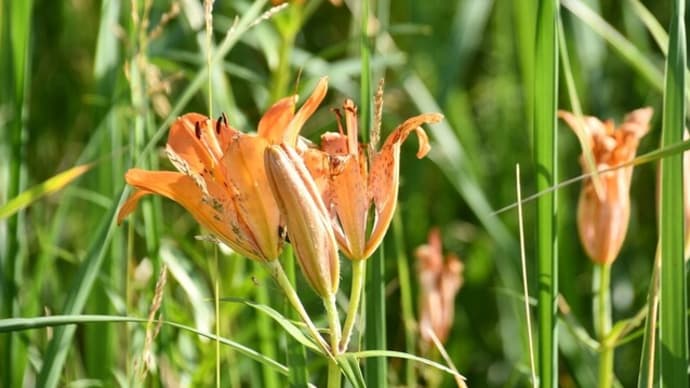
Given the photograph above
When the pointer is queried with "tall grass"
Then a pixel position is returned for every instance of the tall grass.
(93, 85)
(545, 157)
(673, 322)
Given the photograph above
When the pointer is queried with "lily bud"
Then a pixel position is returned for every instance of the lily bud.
(603, 220)
(308, 223)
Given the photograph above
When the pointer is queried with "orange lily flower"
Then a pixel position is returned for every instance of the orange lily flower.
(603, 222)
(439, 282)
(222, 180)
(352, 182)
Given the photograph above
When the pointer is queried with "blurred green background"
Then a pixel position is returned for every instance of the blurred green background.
(96, 87)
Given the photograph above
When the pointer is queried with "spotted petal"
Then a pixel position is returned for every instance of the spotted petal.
(385, 174)
(214, 210)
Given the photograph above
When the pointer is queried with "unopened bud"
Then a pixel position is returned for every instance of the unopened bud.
(308, 224)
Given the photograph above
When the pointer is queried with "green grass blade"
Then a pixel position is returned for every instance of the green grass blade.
(651, 156)
(59, 346)
(15, 38)
(376, 370)
(266, 330)
(649, 360)
(296, 358)
(673, 302)
(18, 324)
(546, 96)
(395, 354)
(375, 319)
(107, 58)
(50, 186)
(287, 325)
(617, 41)
(406, 299)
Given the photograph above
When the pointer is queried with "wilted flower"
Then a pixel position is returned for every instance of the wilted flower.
(603, 221)
(439, 282)
(352, 181)
(308, 224)
(222, 181)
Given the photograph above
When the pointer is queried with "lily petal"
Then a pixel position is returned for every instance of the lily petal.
(244, 166)
(385, 173)
(275, 121)
(308, 109)
(214, 210)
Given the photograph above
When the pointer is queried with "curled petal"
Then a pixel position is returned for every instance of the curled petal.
(214, 210)
(130, 205)
(385, 174)
(637, 121)
(308, 109)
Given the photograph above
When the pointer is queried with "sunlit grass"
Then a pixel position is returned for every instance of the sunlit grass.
(75, 285)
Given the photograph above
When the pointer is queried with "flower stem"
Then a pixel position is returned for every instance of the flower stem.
(283, 282)
(334, 378)
(358, 276)
(603, 323)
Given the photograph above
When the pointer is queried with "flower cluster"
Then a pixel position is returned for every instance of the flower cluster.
(254, 192)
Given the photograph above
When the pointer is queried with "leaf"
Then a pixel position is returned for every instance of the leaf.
(287, 324)
(35, 193)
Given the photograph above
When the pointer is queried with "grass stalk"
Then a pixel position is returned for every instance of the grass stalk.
(673, 300)
(545, 156)
(16, 38)
(406, 298)
(376, 374)
(266, 336)
(525, 288)
(602, 322)
(296, 359)
(278, 273)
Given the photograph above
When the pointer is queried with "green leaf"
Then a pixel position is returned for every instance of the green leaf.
(545, 156)
(287, 324)
(37, 192)
(673, 302)
(19, 324)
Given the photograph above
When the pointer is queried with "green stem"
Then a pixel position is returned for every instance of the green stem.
(358, 276)
(334, 378)
(333, 374)
(602, 282)
(283, 282)
(333, 322)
